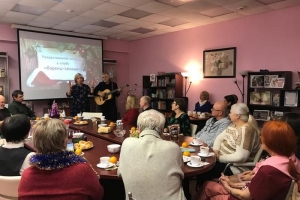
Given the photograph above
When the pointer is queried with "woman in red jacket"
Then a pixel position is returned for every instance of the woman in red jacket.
(132, 113)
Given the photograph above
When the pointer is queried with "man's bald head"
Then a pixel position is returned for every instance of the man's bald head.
(2, 102)
(219, 110)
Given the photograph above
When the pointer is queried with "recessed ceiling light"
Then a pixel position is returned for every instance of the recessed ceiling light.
(242, 8)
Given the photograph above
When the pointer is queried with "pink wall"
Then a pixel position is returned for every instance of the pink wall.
(265, 41)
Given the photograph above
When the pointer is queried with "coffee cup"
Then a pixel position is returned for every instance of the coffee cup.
(204, 151)
(46, 115)
(104, 160)
(202, 115)
(189, 113)
(198, 113)
(196, 141)
(102, 118)
(195, 160)
(194, 112)
(119, 122)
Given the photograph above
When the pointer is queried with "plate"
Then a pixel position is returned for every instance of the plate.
(190, 165)
(206, 156)
(186, 159)
(79, 124)
(104, 166)
(196, 145)
(87, 148)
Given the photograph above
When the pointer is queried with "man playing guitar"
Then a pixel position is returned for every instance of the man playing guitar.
(109, 108)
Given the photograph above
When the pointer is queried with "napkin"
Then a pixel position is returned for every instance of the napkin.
(188, 149)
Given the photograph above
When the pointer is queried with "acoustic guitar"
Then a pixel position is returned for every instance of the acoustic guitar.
(107, 95)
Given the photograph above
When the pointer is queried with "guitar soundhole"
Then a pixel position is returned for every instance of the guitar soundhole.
(105, 97)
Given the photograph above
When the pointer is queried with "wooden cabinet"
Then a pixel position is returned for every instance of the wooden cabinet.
(4, 77)
(266, 93)
(163, 90)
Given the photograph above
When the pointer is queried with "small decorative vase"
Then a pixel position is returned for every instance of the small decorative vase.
(219, 72)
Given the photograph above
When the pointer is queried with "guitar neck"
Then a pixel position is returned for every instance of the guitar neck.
(113, 91)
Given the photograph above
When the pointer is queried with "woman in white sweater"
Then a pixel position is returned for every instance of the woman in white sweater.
(239, 142)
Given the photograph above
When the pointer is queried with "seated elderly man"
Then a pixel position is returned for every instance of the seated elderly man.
(14, 157)
(149, 166)
(215, 125)
(145, 103)
(17, 106)
(4, 112)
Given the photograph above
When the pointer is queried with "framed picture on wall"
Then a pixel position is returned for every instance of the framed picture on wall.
(291, 98)
(1, 90)
(219, 63)
(262, 115)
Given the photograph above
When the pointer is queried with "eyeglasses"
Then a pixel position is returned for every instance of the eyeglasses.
(214, 109)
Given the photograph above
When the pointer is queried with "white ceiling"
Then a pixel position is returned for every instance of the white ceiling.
(130, 19)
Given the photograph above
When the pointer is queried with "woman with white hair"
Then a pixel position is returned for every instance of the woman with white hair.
(56, 173)
(239, 142)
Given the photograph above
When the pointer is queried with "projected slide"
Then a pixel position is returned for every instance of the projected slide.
(48, 62)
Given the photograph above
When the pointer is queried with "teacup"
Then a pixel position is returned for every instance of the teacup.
(194, 112)
(204, 151)
(104, 160)
(195, 160)
(46, 115)
(198, 113)
(196, 141)
(189, 113)
(202, 115)
(102, 118)
(119, 122)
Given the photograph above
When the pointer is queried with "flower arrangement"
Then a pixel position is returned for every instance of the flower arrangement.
(219, 61)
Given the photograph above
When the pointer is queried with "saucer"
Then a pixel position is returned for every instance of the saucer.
(206, 156)
(196, 145)
(190, 165)
(104, 166)
(186, 159)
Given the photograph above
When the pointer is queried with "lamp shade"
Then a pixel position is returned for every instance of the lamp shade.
(243, 72)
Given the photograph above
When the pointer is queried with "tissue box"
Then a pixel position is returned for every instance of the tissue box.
(76, 140)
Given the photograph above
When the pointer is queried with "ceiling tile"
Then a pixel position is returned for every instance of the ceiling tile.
(157, 26)
(207, 21)
(142, 30)
(104, 23)
(119, 19)
(85, 31)
(155, 18)
(64, 28)
(158, 32)
(130, 3)
(129, 33)
(254, 11)
(58, 15)
(72, 24)
(3, 12)
(14, 20)
(118, 36)
(93, 27)
(229, 16)
(192, 17)
(44, 4)
(198, 6)
(175, 2)
(77, 10)
(124, 27)
(83, 20)
(135, 13)
(284, 4)
(111, 31)
(49, 20)
(173, 22)
(139, 23)
(41, 24)
(89, 3)
(7, 5)
(154, 7)
(248, 4)
(96, 14)
(112, 8)
(174, 13)
(222, 2)
(216, 12)
(268, 1)
(20, 15)
(11, 1)
(28, 10)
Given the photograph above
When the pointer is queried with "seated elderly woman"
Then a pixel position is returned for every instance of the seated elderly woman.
(273, 176)
(238, 143)
(14, 158)
(132, 108)
(56, 173)
(151, 168)
(203, 105)
(179, 117)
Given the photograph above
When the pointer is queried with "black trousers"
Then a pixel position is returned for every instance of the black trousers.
(215, 172)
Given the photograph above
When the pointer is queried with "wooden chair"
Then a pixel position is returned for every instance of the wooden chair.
(9, 187)
(193, 129)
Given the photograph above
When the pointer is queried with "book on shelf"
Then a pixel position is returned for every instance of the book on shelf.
(161, 105)
(260, 98)
(167, 80)
(275, 99)
(171, 94)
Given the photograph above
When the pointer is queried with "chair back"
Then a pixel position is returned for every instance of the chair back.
(193, 129)
(91, 114)
(258, 154)
(9, 187)
(290, 192)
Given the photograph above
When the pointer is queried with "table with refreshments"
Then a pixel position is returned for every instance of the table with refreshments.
(105, 150)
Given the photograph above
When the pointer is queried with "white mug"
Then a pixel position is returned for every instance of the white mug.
(198, 113)
(189, 113)
(119, 121)
(104, 160)
(46, 115)
(195, 160)
(202, 115)
(204, 151)
(196, 141)
(102, 118)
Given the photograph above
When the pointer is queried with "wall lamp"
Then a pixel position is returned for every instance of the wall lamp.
(186, 75)
(243, 74)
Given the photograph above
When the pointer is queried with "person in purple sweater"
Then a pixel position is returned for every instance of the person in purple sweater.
(203, 105)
